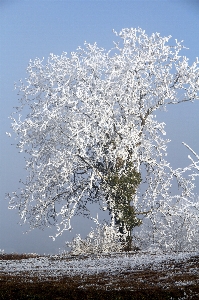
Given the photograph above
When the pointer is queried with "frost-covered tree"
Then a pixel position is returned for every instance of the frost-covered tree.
(80, 114)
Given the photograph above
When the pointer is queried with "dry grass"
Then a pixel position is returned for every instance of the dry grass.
(166, 283)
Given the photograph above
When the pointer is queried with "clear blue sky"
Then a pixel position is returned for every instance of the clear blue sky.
(36, 28)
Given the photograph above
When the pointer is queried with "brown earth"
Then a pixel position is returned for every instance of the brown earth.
(171, 282)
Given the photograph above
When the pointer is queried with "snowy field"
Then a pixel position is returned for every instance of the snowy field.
(112, 264)
(133, 275)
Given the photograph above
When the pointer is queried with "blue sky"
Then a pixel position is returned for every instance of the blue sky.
(36, 28)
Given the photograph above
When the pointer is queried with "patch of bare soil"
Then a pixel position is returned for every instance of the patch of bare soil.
(15, 256)
(174, 280)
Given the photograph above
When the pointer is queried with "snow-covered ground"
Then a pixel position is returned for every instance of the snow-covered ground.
(113, 264)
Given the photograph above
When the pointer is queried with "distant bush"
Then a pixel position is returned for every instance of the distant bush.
(104, 239)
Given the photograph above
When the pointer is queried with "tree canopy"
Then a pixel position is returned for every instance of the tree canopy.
(88, 127)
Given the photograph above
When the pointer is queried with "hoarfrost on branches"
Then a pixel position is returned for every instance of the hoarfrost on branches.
(105, 238)
(79, 114)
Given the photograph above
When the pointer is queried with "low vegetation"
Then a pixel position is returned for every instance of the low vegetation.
(172, 279)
